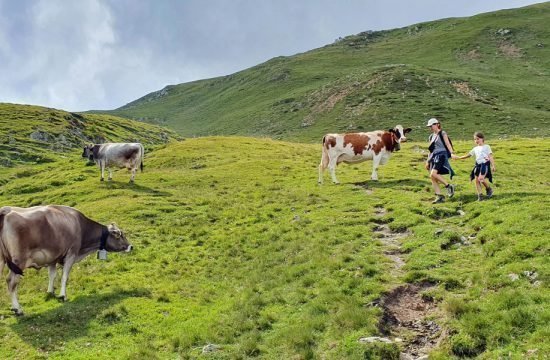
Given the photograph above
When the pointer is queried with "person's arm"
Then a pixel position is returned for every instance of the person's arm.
(456, 157)
(492, 160)
(448, 143)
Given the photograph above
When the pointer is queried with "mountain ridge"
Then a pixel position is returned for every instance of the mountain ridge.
(491, 66)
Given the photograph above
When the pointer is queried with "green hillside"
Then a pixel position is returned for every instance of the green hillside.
(33, 134)
(240, 254)
(488, 72)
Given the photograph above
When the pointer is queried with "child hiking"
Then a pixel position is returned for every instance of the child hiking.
(484, 165)
(441, 150)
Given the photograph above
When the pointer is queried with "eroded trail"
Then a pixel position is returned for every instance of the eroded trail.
(408, 312)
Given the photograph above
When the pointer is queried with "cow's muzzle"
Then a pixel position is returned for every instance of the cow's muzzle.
(129, 248)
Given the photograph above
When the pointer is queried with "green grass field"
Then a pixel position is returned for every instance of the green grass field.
(240, 254)
(238, 247)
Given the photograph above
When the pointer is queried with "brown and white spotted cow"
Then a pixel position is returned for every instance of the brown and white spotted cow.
(357, 147)
(44, 236)
(121, 155)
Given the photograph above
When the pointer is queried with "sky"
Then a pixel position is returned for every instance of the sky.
(81, 55)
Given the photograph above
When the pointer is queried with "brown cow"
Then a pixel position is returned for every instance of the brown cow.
(358, 147)
(43, 236)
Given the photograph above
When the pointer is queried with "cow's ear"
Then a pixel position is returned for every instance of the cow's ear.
(392, 130)
(114, 230)
(407, 130)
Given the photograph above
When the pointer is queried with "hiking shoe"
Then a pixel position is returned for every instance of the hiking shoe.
(439, 199)
(479, 197)
(489, 193)
(450, 190)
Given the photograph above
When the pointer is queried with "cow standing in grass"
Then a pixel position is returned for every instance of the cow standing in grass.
(358, 147)
(121, 155)
(44, 236)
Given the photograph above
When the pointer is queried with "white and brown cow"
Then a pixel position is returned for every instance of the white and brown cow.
(121, 155)
(44, 236)
(358, 147)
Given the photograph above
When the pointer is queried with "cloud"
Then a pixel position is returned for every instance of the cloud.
(101, 54)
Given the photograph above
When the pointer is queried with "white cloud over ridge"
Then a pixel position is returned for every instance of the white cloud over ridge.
(101, 54)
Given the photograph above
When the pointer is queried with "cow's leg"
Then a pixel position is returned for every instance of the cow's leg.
(52, 273)
(375, 163)
(332, 168)
(322, 166)
(133, 174)
(102, 169)
(110, 174)
(67, 265)
(13, 281)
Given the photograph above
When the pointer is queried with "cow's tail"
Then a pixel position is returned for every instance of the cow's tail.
(324, 155)
(3, 252)
(324, 160)
(4, 255)
(3, 212)
(141, 157)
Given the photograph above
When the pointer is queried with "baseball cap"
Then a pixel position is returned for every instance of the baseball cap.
(432, 121)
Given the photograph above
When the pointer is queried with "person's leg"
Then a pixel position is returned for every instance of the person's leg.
(488, 188)
(436, 179)
(478, 189)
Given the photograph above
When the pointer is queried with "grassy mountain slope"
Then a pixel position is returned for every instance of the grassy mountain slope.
(37, 134)
(488, 72)
(237, 246)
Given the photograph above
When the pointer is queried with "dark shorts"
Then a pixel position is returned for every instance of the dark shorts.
(482, 169)
(438, 162)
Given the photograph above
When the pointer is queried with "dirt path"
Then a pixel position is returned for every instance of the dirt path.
(407, 311)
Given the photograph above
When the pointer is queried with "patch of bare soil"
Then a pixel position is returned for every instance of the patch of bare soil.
(392, 241)
(470, 55)
(327, 104)
(510, 50)
(463, 88)
(406, 315)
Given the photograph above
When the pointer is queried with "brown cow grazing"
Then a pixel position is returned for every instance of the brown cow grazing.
(121, 155)
(43, 236)
(358, 147)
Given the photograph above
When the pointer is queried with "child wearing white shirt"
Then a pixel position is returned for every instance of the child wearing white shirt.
(484, 165)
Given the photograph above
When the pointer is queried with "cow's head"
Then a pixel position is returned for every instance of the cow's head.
(116, 241)
(400, 133)
(88, 152)
(397, 136)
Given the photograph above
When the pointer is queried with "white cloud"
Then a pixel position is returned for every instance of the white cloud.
(101, 54)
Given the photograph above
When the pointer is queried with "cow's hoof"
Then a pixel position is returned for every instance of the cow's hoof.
(62, 298)
(17, 312)
(102, 179)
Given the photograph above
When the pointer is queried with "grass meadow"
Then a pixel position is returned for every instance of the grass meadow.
(237, 247)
